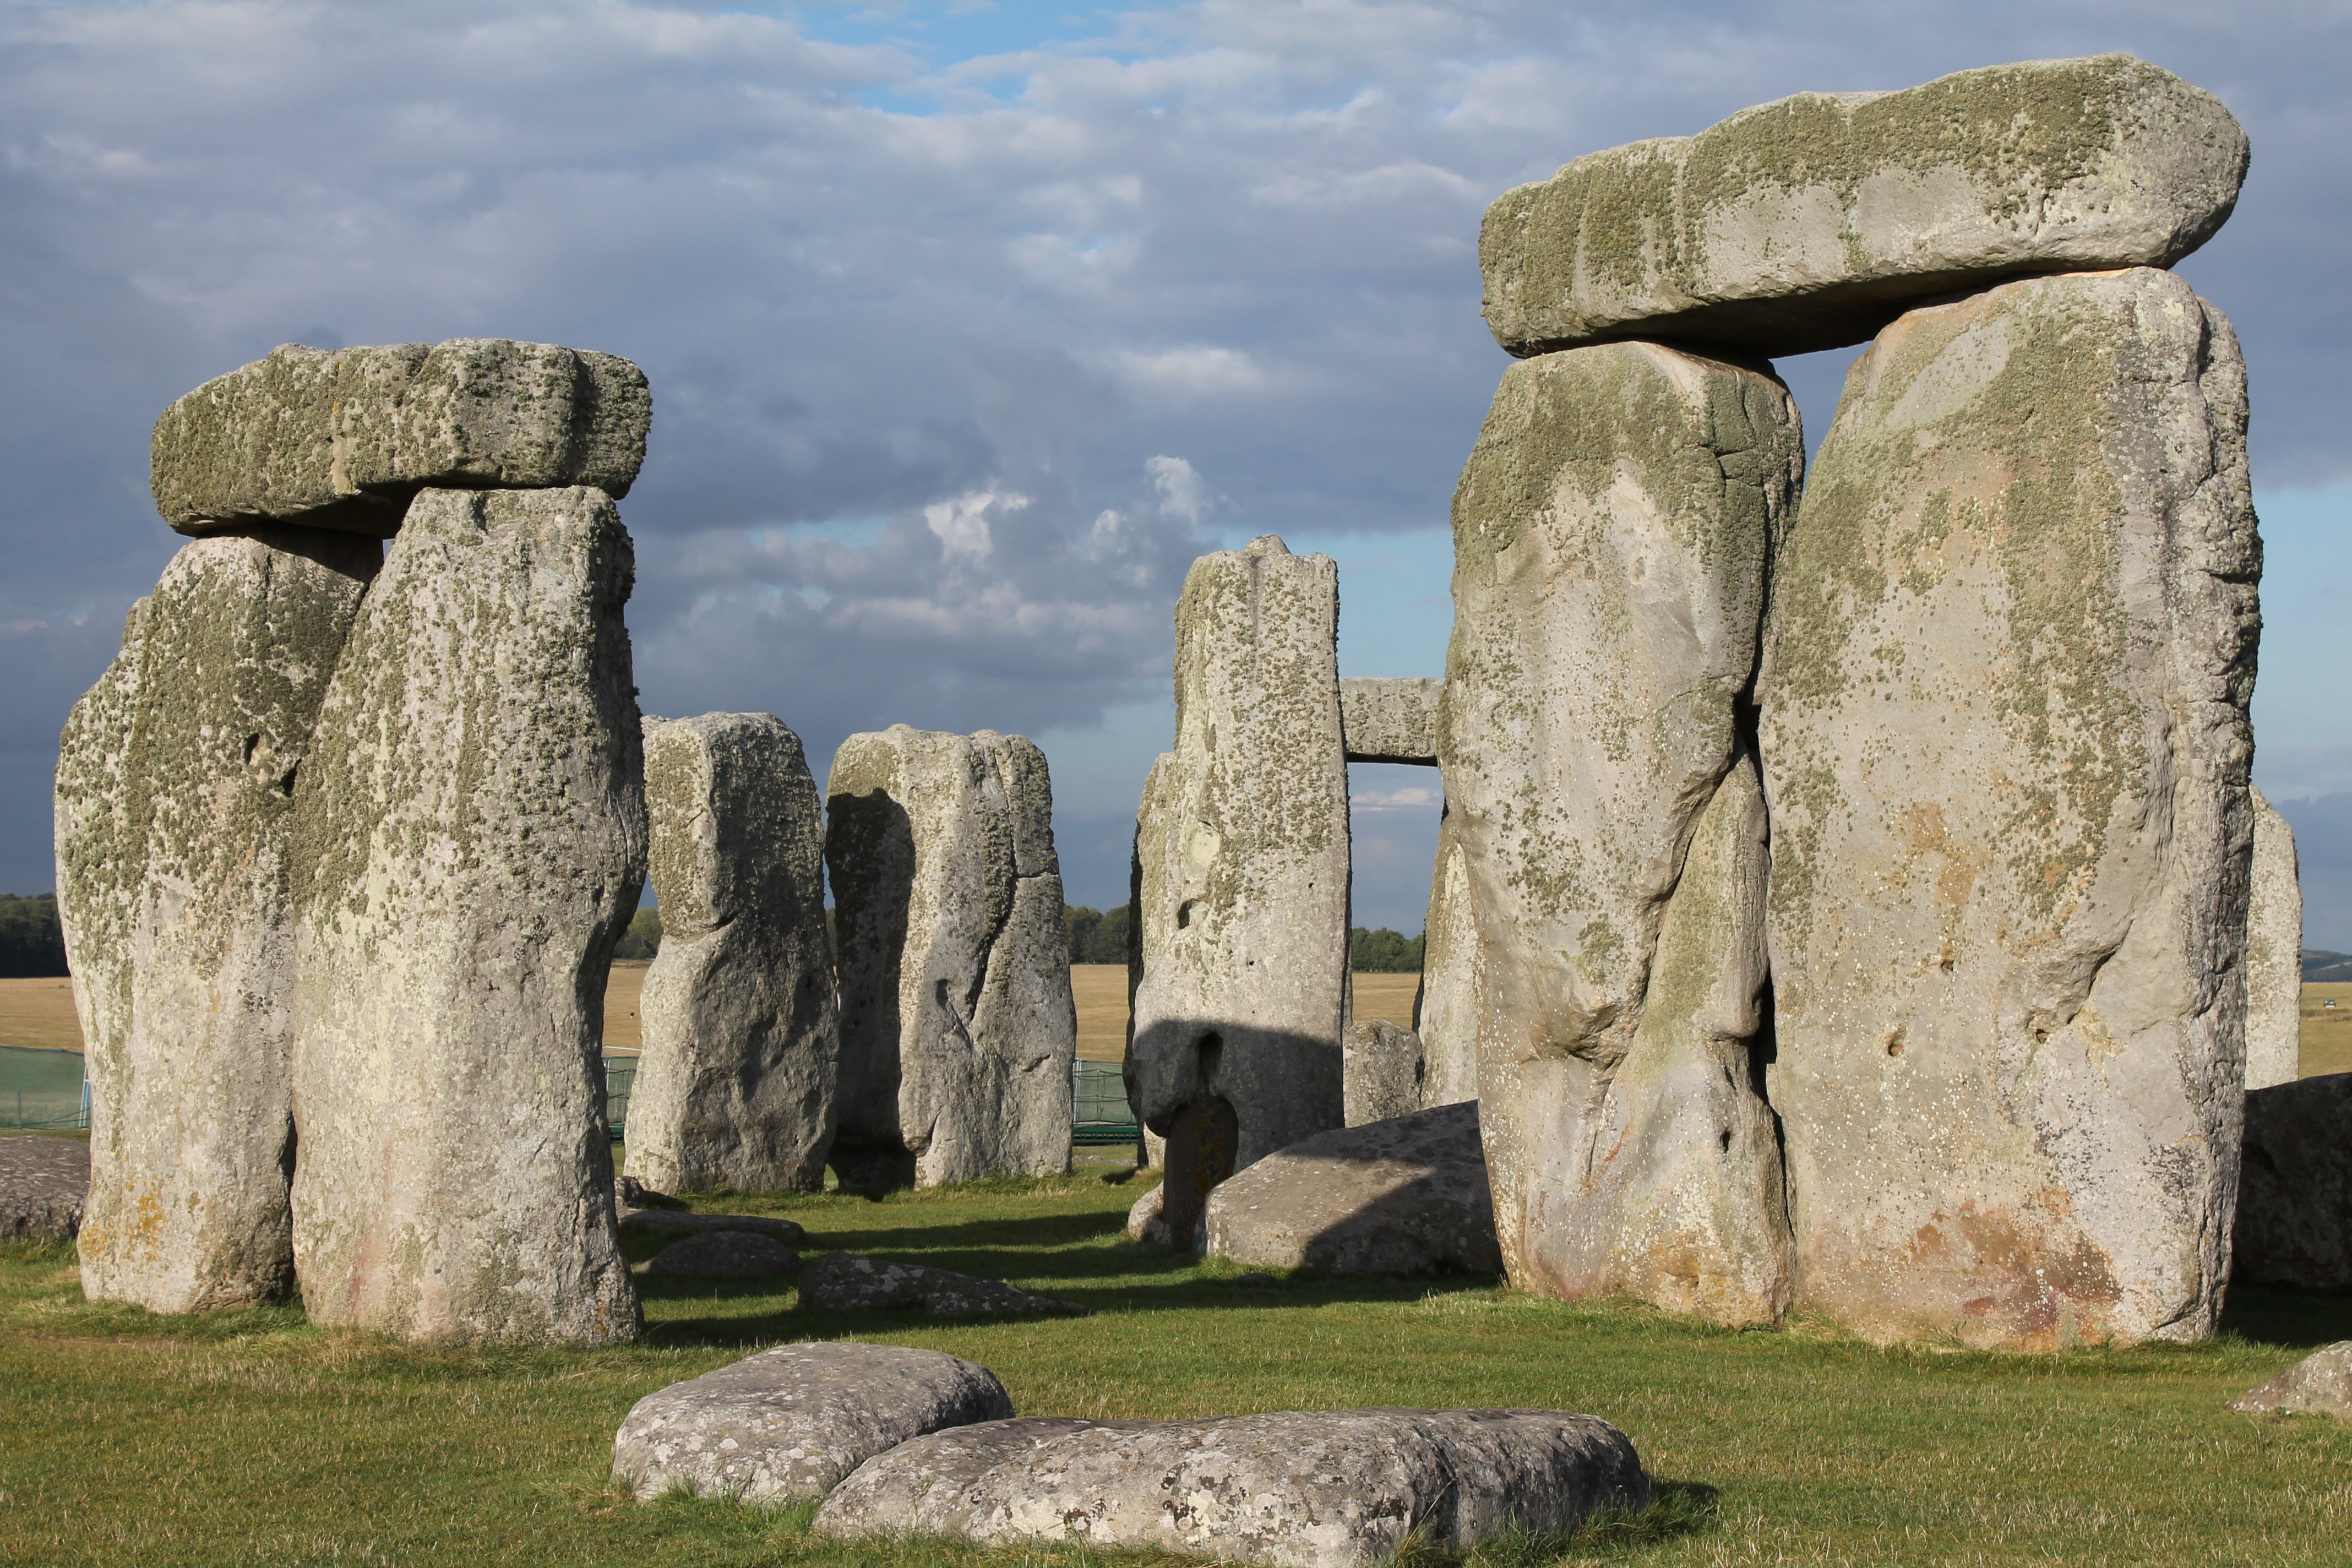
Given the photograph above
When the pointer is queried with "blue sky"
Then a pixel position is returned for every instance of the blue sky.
(971, 325)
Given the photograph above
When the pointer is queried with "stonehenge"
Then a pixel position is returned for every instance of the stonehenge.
(2273, 954)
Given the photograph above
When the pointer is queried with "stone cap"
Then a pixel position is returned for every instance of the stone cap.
(1390, 720)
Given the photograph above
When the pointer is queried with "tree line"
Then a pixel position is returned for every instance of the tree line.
(1099, 936)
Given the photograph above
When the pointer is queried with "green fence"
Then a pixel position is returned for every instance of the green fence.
(620, 1077)
(42, 1088)
(1099, 1113)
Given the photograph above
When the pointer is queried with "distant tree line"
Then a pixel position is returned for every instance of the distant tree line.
(1097, 936)
(1385, 951)
(32, 944)
(643, 939)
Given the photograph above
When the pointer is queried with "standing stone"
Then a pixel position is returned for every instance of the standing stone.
(2273, 954)
(1814, 221)
(474, 818)
(1610, 534)
(957, 1025)
(2005, 743)
(735, 1086)
(1382, 1070)
(175, 867)
(1243, 903)
(2294, 1189)
(1445, 1007)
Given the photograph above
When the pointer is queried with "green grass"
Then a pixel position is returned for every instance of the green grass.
(248, 1438)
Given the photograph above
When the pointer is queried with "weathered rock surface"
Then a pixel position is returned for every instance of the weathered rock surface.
(1145, 1220)
(2318, 1385)
(2295, 1186)
(1611, 534)
(344, 437)
(1390, 720)
(1242, 845)
(1381, 1071)
(43, 1182)
(1334, 1488)
(957, 1025)
(647, 1225)
(1445, 1007)
(725, 1254)
(2273, 954)
(789, 1423)
(742, 1048)
(1407, 1196)
(1815, 220)
(2005, 743)
(846, 1282)
(176, 859)
(473, 826)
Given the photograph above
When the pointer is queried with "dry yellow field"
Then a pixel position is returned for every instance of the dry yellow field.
(1100, 990)
(622, 1030)
(38, 1015)
(2326, 1031)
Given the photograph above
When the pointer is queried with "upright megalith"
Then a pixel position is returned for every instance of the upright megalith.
(957, 1025)
(2005, 743)
(176, 861)
(1814, 221)
(1242, 845)
(2273, 954)
(471, 835)
(1612, 530)
(1445, 1007)
(742, 1045)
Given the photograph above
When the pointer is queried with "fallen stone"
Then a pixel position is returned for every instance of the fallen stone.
(2010, 866)
(1146, 1221)
(1381, 1071)
(628, 1192)
(2318, 1385)
(1445, 1007)
(846, 1282)
(788, 1423)
(344, 437)
(647, 1225)
(957, 1025)
(725, 1254)
(2273, 954)
(1340, 1489)
(2295, 1186)
(43, 1182)
(741, 1045)
(1390, 720)
(1242, 902)
(177, 854)
(1813, 221)
(1612, 530)
(1407, 1196)
(473, 839)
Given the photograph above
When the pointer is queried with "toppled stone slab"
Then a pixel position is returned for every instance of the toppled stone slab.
(2318, 1385)
(473, 837)
(647, 1225)
(2295, 1186)
(741, 1045)
(177, 855)
(1382, 1072)
(789, 1423)
(957, 1025)
(1340, 1489)
(725, 1254)
(846, 1282)
(2005, 739)
(2273, 954)
(43, 1182)
(1407, 1196)
(344, 437)
(1146, 1218)
(1390, 720)
(1814, 221)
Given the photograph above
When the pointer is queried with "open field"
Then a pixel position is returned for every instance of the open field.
(2326, 1031)
(1100, 990)
(248, 1436)
(38, 1015)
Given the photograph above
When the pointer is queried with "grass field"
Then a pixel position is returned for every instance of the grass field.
(248, 1438)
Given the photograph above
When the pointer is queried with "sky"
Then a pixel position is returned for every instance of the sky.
(971, 325)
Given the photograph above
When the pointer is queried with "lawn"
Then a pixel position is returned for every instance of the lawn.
(249, 1438)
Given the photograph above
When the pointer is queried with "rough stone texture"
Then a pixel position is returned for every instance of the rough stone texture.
(1407, 1196)
(789, 1423)
(2318, 1385)
(957, 1025)
(176, 860)
(846, 1282)
(2005, 743)
(1382, 1071)
(43, 1182)
(725, 1254)
(1445, 1007)
(1339, 1489)
(2295, 1186)
(473, 822)
(647, 1225)
(742, 1048)
(344, 437)
(1144, 1221)
(1242, 845)
(1815, 220)
(1390, 720)
(2273, 954)
(1611, 535)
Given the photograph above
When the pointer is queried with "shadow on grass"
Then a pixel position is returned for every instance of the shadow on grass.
(2294, 1319)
